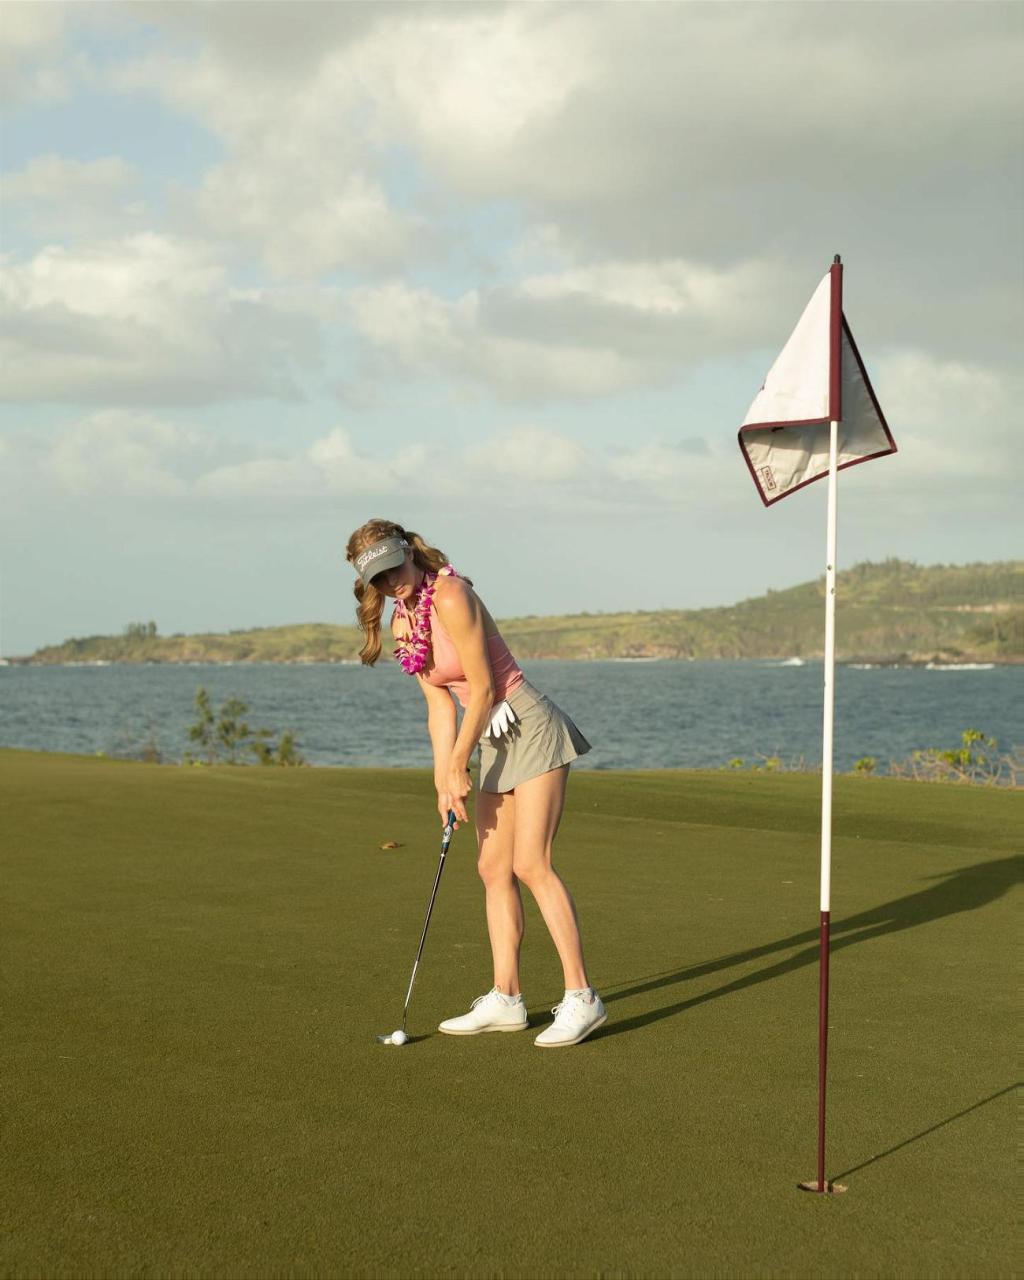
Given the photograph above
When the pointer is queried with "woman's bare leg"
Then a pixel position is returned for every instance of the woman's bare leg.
(495, 824)
(538, 810)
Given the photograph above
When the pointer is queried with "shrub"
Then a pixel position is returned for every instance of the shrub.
(976, 760)
(230, 734)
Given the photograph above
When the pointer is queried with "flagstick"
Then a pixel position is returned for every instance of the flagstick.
(835, 377)
(796, 394)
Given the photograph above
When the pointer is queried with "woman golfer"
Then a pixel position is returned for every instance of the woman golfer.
(447, 639)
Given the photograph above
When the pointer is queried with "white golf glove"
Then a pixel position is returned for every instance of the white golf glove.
(501, 721)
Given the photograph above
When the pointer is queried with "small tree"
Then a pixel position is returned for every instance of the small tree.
(140, 631)
(286, 751)
(232, 730)
(228, 732)
(261, 748)
(202, 731)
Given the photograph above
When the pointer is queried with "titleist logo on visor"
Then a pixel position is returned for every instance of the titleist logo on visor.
(377, 550)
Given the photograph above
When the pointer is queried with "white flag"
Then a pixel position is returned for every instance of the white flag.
(819, 377)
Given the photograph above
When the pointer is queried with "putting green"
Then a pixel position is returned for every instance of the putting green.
(197, 963)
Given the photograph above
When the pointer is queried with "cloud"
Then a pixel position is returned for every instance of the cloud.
(956, 425)
(31, 38)
(49, 178)
(684, 129)
(302, 225)
(117, 453)
(715, 134)
(298, 185)
(335, 465)
(420, 332)
(470, 87)
(668, 176)
(527, 456)
(125, 454)
(280, 42)
(57, 198)
(588, 331)
(670, 308)
(312, 102)
(524, 467)
(515, 470)
(331, 467)
(147, 318)
(660, 465)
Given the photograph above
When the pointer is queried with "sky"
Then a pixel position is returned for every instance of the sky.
(509, 274)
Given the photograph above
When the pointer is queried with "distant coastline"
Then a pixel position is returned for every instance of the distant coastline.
(894, 613)
(895, 664)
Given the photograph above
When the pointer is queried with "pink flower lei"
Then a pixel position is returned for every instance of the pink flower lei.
(413, 652)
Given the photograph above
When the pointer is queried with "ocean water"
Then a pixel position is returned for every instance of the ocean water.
(637, 714)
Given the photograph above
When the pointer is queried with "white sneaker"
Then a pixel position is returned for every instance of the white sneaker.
(575, 1018)
(492, 1012)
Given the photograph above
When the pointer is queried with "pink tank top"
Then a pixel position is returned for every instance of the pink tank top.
(445, 670)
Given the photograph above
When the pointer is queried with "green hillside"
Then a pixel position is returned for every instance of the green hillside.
(895, 611)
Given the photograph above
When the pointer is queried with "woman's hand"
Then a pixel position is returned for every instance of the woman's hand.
(447, 803)
(458, 786)
(443, 806)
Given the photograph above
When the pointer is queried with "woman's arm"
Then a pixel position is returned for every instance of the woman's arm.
(441, 727)
(441, 723)
(459, 610)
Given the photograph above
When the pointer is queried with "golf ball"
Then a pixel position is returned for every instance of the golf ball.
(398, 1037)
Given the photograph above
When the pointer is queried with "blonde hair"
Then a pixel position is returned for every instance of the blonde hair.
(370, 601)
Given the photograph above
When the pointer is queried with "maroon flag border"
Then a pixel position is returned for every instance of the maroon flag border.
(820, 422)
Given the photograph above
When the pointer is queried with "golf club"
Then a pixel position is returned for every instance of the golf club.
(399, 1037)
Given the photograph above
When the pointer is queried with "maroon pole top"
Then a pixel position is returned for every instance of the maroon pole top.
(835, 345)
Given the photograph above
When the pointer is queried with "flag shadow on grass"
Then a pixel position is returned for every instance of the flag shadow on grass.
(967, 889)
(959, 1115)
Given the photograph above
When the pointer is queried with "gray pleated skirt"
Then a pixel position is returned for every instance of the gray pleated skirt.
(543, 738)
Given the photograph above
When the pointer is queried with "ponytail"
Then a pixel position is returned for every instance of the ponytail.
(369, 608)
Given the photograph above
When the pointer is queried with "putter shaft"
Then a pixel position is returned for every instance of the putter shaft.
(446, 839)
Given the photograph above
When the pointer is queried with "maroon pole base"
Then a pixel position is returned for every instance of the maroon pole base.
(822, 1044)
(820, 1184)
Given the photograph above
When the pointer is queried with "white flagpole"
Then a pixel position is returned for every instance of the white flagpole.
(830, 669)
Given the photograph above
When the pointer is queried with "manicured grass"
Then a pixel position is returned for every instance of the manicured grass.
(197, 963)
